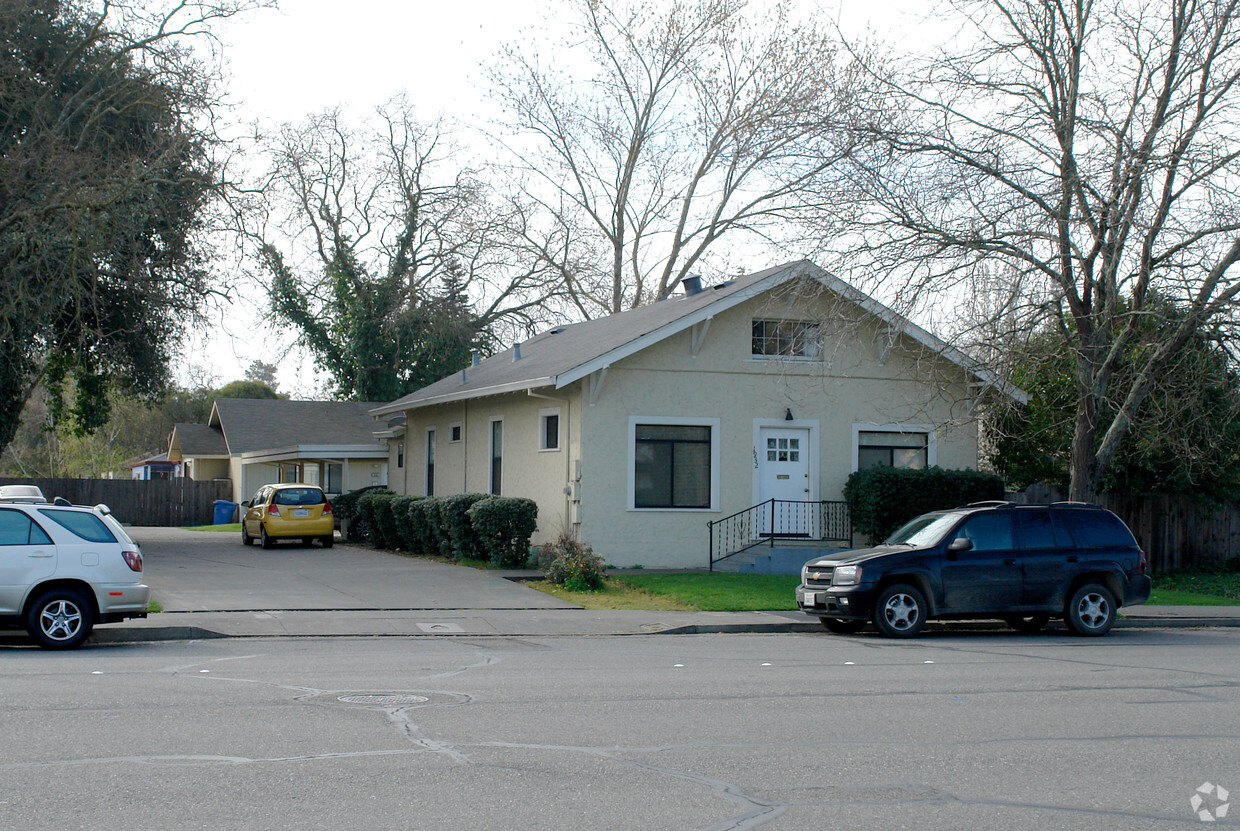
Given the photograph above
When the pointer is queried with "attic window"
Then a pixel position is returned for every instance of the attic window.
(785, 339)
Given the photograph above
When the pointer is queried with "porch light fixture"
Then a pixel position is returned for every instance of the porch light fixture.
(788, 414)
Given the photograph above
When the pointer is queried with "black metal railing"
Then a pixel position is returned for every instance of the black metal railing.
(777, 519)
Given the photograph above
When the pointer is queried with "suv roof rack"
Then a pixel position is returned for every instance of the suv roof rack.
(988, 503)
(1070, 504)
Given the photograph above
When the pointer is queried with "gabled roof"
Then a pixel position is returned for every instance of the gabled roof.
(199, 440)
(256, 424)
(569, 353)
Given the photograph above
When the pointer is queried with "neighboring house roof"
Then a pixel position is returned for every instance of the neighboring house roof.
(251, 425)
(569, 353)
(149, 459)
(199, 440)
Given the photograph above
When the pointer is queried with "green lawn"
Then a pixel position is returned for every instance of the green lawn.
(232, 527)
(755, 592)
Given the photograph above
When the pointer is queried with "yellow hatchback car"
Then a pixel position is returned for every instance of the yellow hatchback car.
(288, 511)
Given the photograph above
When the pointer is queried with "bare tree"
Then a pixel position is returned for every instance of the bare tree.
(1069, 160)
(693, 123)
(376, 242)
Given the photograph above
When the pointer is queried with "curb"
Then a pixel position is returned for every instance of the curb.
(123, 635)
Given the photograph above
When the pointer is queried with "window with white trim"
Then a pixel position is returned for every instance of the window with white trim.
(497, 456)
(454, 432)
(891, 449)
(785, 339)
(549, 429)
(430, 462)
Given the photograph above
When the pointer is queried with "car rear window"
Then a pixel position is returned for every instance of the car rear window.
(18, 529)
(299, 496)
(1098, 529)
(87, 526)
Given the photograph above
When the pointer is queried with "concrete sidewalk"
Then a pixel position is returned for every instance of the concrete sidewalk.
(569, 622)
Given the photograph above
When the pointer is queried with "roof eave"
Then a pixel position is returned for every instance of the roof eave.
(464, 395)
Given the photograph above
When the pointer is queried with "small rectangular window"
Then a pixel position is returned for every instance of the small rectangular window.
(400, 454)
(785, 339)
(549, 430)
(888, 449)
(454, 433)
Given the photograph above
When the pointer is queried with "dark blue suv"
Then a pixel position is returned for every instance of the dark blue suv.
(1024, 564)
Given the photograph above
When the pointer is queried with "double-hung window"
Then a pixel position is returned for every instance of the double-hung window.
(674, 465)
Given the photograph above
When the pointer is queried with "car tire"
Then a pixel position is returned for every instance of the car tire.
(1028, 624)
(246, 539)
(842, 627)
(900, 611)
(1090, 612)
(329, 540)
(60, 619)
(264, 540)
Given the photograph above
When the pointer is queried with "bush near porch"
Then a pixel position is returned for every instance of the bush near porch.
(471, 526)
(881, 499)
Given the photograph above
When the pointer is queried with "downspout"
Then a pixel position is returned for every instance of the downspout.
(568, 444)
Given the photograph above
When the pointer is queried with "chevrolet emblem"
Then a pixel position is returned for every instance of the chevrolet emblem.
(817, 575)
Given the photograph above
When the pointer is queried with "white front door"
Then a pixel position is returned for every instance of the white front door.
(783, 475)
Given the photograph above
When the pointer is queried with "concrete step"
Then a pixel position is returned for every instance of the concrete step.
(781, 559)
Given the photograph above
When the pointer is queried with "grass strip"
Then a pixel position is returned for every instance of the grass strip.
(230, 527)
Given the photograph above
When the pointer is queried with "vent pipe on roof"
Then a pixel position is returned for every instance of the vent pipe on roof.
(516, 352)
(692, 284)
(462, 375)
(474, 352)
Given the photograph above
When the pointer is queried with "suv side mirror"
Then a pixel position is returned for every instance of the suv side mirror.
(245, 504)
(961, 544)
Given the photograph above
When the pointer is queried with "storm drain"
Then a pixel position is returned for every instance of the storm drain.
(383, 700)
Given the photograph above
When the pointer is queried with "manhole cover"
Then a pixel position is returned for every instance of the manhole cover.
(381, 700)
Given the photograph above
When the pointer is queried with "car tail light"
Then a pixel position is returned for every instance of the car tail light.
(1142, 562)
(133, 559)
(327, 509)
(273, 509)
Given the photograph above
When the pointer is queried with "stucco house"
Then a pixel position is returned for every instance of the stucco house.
(256, 442)
(635, 430)
(153, 466)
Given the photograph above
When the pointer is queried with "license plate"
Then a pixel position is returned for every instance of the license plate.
(811, 598)
(301, 512)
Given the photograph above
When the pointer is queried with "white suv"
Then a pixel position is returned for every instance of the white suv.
(65, 568)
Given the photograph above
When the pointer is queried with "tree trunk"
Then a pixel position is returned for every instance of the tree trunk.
(1083, 485)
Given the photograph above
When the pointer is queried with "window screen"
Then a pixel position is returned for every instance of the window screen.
(671, 466)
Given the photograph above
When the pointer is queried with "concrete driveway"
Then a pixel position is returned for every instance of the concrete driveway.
(199, 571)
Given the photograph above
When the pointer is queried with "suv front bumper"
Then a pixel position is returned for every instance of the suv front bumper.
(843, 602)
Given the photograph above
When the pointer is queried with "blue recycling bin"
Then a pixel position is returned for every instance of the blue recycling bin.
(224, 511)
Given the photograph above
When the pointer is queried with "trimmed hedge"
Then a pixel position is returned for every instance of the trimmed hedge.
(882, 499)
(503, 526)
(423, 522)
(370, 507)
(463, 541)
(398, 516)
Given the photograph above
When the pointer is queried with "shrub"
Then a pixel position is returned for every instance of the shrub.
(423, 522)
(371, 507)
(454, 525)
(882, 499)
(398, 529)
(572, 565)
(345, 508)
(503, 526)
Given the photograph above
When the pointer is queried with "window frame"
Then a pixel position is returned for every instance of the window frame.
(495, 478)
(543, 416)
(801, 336)
(677, 421)
(429, 483)
(455, 432)
(932, 455)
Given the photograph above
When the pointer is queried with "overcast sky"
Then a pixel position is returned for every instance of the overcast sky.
(310, 55)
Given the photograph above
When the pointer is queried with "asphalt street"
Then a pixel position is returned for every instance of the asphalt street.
(957, 730)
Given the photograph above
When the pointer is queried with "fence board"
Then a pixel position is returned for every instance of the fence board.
(164, 502)
(1175, 531)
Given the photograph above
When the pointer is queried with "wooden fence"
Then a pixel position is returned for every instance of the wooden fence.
(1175, 531)
(166, 502)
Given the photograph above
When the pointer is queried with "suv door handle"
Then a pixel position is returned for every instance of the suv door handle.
(40, 555)
(1072, 558)
(1009, 562)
